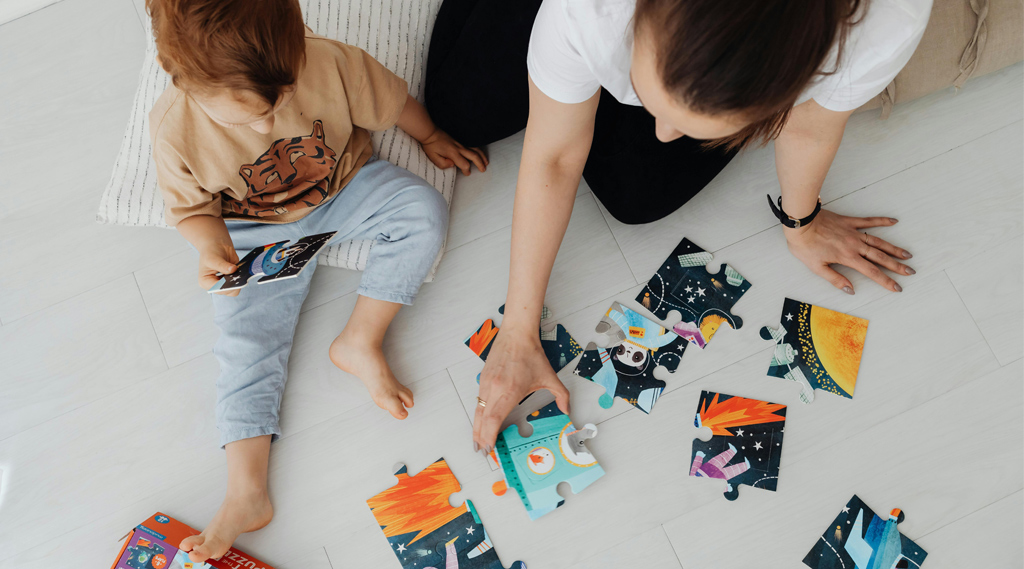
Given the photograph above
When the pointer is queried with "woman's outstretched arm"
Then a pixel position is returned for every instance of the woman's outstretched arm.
(555, 149)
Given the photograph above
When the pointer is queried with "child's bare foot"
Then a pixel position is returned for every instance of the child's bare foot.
(366, 361)
(237, 515)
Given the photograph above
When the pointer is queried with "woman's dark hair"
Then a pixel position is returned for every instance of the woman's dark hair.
(752, 57)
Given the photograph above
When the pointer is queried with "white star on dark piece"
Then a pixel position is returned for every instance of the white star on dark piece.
(757, 445)
(469, 530)
(401, 547)
(789, 317)
(700, 291)
(739, 432)
(846, 510)
(688, 289)
(690, 300)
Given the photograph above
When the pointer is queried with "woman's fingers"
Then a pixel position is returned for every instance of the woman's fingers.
(880, 258)
(865, 222)
(491, 420)
(886, 247)
(831, 275)
(871, 270)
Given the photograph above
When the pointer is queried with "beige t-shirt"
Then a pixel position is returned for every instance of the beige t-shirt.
(318, 142)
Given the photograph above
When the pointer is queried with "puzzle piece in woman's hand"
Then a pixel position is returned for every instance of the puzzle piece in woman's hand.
(817, 348)
(703, 300)
(859, 538)
(424, 531)
(638, 345)
(273, 262)
(745, 445)
(558, 345)
(553, 453)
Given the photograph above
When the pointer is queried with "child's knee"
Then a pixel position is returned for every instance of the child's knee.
(431, 210)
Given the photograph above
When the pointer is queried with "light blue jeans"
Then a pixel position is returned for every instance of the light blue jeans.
(408, 220)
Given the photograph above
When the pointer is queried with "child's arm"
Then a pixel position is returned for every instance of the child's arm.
(442, 150)
(210, 237)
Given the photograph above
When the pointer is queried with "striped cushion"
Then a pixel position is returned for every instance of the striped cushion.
(395, 32)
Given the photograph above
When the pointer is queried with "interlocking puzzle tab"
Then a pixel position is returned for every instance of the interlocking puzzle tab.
(535, 465)
(626, 369)
(817, 348)
(273, 262)
(558, 345)
(425, 531)
(745, 445)
(859, 538)
(703, 300)
(153, 544)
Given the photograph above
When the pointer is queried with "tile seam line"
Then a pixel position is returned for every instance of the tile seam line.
(152, 326)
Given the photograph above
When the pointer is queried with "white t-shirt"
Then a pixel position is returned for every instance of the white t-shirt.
(578, 46)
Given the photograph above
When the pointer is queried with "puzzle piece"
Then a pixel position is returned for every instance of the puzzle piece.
(558, 345)
(535, 465)
(745, 445)
(859, 538)
(273, 262)
(626, 368)
(703, 300)
(817, 348)
(424, 531)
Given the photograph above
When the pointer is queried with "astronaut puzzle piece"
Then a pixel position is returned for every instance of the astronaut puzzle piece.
(817, 348)
(558, 345)
(859, 539)
(745, 445)
(626, 368)
(273, 262)
(535, 465)
(424, 531)
(703, 300)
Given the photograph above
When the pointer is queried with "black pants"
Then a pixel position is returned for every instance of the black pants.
(477, 91)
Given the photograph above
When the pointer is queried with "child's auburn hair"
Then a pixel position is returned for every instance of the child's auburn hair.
(248, 45)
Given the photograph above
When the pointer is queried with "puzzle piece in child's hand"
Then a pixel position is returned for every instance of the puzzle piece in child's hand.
(817, 348)
(702, 299)
(534, 466)
(860, 538)
(424, 531)
(558, 345)
(638, 345)
(745, 445)
(272, 262)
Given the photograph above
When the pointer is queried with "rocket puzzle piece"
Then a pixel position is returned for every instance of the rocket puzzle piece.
(817, 348)
(745, 445)
(535, 465)
(702, 299)
(424, 531)
(859, 538)
(626, 368)
(559, 346)
(273, 262)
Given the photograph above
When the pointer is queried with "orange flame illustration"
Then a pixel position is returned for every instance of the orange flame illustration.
(417, 503)
(737, 412)
(482, 337)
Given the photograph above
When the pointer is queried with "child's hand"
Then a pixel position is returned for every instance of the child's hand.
(217, 259)
(445, 152)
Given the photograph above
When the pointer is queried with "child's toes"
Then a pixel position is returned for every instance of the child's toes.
(191, 542)
(406, 396)
(395, 407)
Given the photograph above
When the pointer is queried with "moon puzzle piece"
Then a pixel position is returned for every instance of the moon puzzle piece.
(638, 345)
(273, 262)
(745, 445)
(535, 465)
(558, 345)
(703, 300)
(426, 532)
(859, 539)
(817, 348)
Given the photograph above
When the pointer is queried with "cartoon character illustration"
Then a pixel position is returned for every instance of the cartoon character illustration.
(145, 555)
(871, 542)
(880, 548)
(293, 174)
(716, 467)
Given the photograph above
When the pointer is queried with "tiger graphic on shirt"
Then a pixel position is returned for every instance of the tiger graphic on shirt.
(293, 174)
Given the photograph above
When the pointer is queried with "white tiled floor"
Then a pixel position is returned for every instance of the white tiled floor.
(106, 392)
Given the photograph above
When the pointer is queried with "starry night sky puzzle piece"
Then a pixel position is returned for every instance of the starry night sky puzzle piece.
(817, 348)
(273, 262)
(703, 300)
(745, 445)
(860, 539)
(626, 368)
(534, 466)
(558, 345)
(425, 531)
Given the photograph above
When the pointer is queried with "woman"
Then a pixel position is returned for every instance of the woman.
(648, 100)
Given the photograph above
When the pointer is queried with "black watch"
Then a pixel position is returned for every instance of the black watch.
(789, 221)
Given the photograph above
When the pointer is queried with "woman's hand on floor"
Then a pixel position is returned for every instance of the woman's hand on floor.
(445, 152)
(836, 239)
(516, 367)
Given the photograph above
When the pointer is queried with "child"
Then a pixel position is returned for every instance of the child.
(262, 138)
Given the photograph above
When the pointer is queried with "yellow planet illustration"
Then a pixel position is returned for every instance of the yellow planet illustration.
(838, 342)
